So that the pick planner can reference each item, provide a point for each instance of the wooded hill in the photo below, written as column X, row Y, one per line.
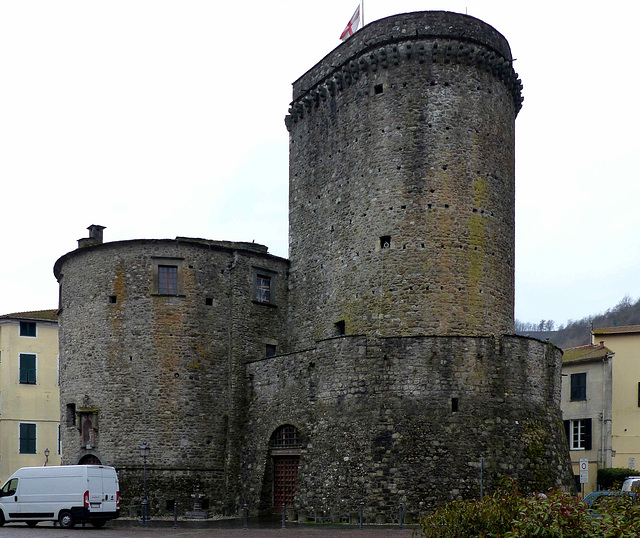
column 578, row 332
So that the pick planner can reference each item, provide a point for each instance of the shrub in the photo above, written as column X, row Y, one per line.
column 509, row 514
column 614, row 477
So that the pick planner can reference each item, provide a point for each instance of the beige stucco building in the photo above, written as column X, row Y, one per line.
column 587, row 408
column 625, row 343
column 29, row 391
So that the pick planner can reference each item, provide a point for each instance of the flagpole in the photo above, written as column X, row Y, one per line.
column 362, row 11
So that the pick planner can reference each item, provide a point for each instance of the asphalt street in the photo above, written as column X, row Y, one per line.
column 232, row 529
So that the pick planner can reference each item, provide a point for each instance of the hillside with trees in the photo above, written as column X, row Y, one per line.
column 578, row 332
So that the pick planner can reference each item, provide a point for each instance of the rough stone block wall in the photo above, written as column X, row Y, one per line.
column 379, row 424
column 402, row 182
column 163, row 369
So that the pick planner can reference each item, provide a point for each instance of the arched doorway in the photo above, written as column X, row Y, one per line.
column 89, row 459
column 285, row 454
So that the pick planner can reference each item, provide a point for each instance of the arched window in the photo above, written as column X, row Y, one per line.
column 90, row 459
column 286, row 436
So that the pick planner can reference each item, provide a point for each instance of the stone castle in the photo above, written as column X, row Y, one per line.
column 378, row 364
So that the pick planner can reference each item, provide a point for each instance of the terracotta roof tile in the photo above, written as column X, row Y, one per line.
column 43, row 315
column 584, row 353
column 618, row 330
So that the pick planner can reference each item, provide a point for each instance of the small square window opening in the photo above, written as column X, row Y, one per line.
column 28, row 328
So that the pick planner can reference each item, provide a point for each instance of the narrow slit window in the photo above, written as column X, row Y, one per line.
column 339, row 328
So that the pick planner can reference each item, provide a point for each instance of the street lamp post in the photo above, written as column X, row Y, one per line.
column 144, row 452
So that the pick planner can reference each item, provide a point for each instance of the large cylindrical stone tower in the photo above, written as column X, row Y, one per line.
column 402, row 182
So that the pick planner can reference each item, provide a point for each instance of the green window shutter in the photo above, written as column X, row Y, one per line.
column 27, row 438
column 27, row 368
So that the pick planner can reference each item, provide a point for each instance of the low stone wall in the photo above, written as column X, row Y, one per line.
column 408, row 420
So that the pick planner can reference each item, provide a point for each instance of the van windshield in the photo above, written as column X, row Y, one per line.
column 9, row 488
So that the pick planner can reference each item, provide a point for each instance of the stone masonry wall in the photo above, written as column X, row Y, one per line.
column 402, row 182
column 407, row 420
column 163, row 369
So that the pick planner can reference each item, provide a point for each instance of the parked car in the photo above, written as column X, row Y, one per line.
column 630, row 483
column 597, row 498
column 67, row 494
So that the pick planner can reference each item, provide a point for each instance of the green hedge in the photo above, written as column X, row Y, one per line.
column 614, row 477
column 511, row 514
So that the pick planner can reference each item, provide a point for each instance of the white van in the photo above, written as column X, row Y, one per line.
column 66, row 493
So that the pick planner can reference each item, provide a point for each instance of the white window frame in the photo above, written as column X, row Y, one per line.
column 578, row 433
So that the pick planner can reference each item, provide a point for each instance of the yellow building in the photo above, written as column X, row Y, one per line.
column 625, row 343
column 29, row 391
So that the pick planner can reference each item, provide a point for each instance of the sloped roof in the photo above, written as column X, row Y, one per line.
column 585, row 353
column 42, row 315
column 618, row 330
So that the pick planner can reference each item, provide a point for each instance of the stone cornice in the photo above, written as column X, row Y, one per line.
column 436, row 51
column 436, row 37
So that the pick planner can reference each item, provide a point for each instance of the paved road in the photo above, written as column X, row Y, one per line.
column 231, row 529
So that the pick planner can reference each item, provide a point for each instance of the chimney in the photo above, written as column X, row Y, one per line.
column 95, row 236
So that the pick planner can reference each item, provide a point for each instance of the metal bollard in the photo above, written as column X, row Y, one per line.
column 245, row 517
column 284, row 515
column 175, row 514
column 145, row 512
column 361, row 513
column 400, row 514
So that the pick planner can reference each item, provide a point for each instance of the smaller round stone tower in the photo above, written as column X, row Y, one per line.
column 401, row 205
column 153, row 339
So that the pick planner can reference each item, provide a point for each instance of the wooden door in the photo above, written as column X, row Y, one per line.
column 285, row 477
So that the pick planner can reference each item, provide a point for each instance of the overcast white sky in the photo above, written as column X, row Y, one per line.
column 160, row 118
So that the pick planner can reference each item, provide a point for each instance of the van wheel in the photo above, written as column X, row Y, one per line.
column 66, row 520
column 98, row 523
column 1, row 518
column 31, row 524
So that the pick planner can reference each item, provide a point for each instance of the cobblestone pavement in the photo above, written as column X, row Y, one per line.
column 231, row 529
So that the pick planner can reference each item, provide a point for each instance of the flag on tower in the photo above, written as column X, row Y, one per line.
column 352, row 25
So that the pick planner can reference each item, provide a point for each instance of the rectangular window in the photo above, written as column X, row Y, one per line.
column 71, row 414
column 28, row 328
column 578, row 387
column 270, row 350
column 168, row 279
column 263, row 289
column 578, row 433
column 264, row 286
column 27, row 438
column 27, row 369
